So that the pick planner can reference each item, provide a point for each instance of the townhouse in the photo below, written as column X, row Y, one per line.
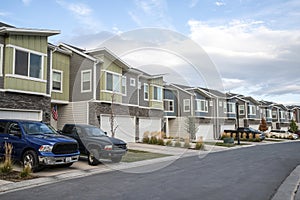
column 38, row 79
column 24, row 73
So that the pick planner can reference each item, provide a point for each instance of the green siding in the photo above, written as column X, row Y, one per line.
column 33, row 43
column 24, row 85
column 62, row 62
column 112, row 67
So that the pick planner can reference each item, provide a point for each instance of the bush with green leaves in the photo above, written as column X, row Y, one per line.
column 26, row 171
column 177, row 144
column 199, row 146
column 169, row 143
column 160, row 142
column 153, row 140
column 146, row 140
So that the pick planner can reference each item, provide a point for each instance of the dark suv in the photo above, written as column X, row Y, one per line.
column 37, row 144
column 95, row 143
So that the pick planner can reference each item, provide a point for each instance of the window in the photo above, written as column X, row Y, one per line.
column 113, row 82
column 211, row 103
column 201, row 105
column 157, row 93
column 274, row 114
column 86, row 83
column 252, row 110
column 169, row 105
column 225, row 106
column 57, row 80
column 241, row 109
column 132, row 82
column 231, row 107
column 124, row 85
column 269, row 113
column 186, row 105
column 146, row 91
column 282, row 114
column 220, row 103
column 1, row 59
column 28, row 64
column 291, row 115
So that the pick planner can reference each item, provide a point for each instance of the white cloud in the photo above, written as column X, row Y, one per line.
column 252, row 58
column 220, row 3
column 26, row 2
column 193, row 3
column 83, row 14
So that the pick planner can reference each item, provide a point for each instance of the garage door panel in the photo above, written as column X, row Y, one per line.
column 205, row 131
column 28, row 115
column 148, row 125
column 125, row 127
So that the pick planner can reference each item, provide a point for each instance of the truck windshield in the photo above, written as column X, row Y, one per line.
column 94, row 132
column 34, row 128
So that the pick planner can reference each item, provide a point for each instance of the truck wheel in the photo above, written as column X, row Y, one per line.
column 30, row 158
column 92, row 157
column 116, row 159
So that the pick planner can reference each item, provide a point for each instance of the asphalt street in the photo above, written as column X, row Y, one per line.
column 246, row 173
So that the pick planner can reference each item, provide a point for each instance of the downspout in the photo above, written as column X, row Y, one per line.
column 217, row 117
column 95, row 78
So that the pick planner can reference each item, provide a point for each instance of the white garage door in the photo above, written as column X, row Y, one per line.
column 205, row 131
column 254, row 126
column 13, row 114
column 149, row 125
column 125, row 130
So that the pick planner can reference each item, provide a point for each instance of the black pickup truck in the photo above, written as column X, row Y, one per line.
column 247, row 130
column 94, row 143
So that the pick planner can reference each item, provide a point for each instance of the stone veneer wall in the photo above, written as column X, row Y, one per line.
column 10, row 100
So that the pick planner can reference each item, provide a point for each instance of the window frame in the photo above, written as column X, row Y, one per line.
column 124, row 85
column 168, row 101
column 253, row 109
column 29, row 53
column 159, row 93
column 146, row 91
column 119, row 81
column 90, row 80
column 231, row 105
column 282, row 114
column 268, row 113
column 61, row 80
column 205, row 105
column 185, row 104
column 132, row 82
column 241, row 108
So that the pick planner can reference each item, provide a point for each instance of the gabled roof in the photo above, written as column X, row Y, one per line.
column 266, row 103
column 179, row 88
column 281, row 106
column 113, row 57
column 57, row 48
column 78, row 51
column 8, row 29
column 251, row 99
column 215, row 93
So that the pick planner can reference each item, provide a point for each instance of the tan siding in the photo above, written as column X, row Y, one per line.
column 24, row 85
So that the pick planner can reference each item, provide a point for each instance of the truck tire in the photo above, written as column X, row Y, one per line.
column 93, row 157
column 116, row 159
column 30, row 158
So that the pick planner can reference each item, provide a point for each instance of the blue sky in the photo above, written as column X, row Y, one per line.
column 254, row 44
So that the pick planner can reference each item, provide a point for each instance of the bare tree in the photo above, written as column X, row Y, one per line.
column 113, row 126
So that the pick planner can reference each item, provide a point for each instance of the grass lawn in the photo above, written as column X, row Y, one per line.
column 137, row 155
column 224, row 144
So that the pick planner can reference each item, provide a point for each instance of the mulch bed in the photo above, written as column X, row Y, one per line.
column 14, row 176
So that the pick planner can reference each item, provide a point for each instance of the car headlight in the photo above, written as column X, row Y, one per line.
column 108, row 147
column 45, row 148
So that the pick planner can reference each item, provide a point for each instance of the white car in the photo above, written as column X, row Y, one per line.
column 283, row 134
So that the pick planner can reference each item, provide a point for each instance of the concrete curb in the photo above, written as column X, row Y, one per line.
column 289, row 187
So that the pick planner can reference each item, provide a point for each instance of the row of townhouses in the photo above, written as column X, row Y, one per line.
column 61, row 84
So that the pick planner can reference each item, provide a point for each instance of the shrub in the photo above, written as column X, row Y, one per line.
column 169, row 143
column 250, row 136
column 234, row 135
column 160, row 142
column 7, row 166
column 153, row 140
column 199, row 146
column 177, row 144
column 244, row 135
column 26, row 171
column 256, row 139
column 146, row 140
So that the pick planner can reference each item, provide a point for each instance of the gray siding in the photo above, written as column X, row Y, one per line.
column 142, row 102
column 131, row 96
column 79, row 63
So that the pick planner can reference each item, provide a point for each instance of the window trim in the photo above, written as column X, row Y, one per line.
column 120, row 83
column 28, row 77
column 253, row 110
column 1, row 59
column 132, row 82
column 233, row 106
column 269, row 112
column 205, row 103
column 61, row 80
column 168, row 109
column 189, row 105
column 125, row 86
column 82, row 72
column 282, row 114
column 161, row 95
column 241, row 106
column 146, row 99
